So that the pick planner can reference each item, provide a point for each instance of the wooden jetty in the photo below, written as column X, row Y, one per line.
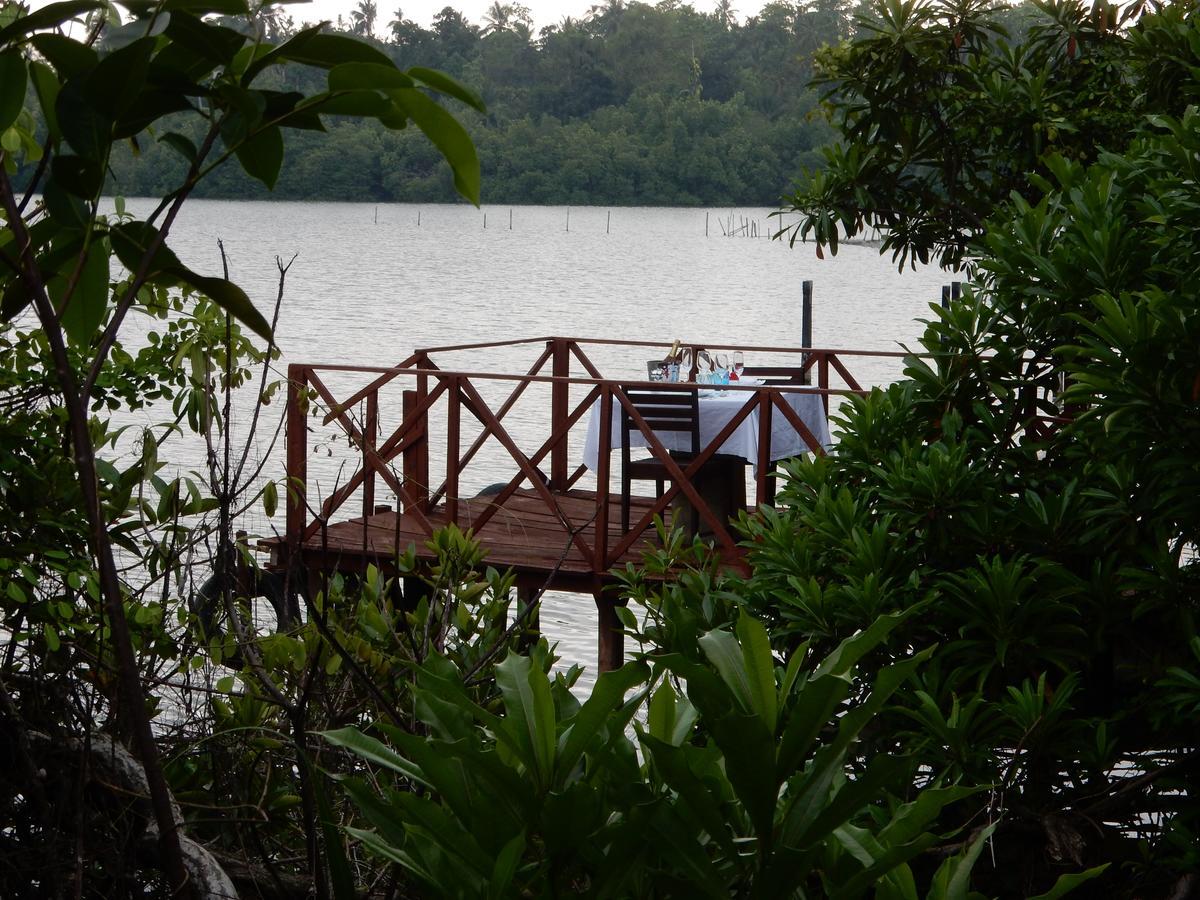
column 553, row 522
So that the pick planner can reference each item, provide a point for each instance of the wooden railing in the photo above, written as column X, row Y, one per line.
column 399, row 460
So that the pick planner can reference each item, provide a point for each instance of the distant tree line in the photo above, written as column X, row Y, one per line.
column 632, row 104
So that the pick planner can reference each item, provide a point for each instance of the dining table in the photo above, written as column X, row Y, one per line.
column 716, row 407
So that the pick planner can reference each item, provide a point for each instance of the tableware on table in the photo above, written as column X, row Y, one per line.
column 739, row 363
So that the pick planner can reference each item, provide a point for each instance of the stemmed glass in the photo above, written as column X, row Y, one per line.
column 722, row 367
column 739, row 363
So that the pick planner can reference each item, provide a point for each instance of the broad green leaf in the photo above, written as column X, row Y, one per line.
column 270, row 498
column 46, row 85
column 87, row 305
column 528, row 723
column 13, row 77
column 745, row 664
column 132, row 242
column 180, row 144
column 205, row 40
column 1067, row 883
column 701, row 802
column 47, row 17
column 84, row 126
column 953, row 878
column 599, row 712
column 506, row 866
column 281, row 53
column 69, row 58
column 447, row 135
column 355, row 76
column 262, row 156
column 842, row 660
column 759, row 666
column 677, row 838
column 372, row 750
column 78, row 175
column 470, row 861
column 325, row 51
column 670, row 717
column 64, row 208
column 119, row 78
column 440, row 81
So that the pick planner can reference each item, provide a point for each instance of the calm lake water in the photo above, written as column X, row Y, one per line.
column 371, row 283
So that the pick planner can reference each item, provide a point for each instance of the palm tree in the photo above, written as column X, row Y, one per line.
column 498, row 17
column 724, row 13
column 362, row 18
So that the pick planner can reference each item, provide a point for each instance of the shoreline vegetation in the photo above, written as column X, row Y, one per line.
column 633, row 105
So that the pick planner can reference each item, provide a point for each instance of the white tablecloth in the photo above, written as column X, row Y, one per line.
column 716, row 409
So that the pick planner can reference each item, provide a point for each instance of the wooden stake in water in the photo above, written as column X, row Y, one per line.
column 418, row 218
column 376, row 215
column 608, row 222
column 510, row 219
column 568, row 218
column 485, row 221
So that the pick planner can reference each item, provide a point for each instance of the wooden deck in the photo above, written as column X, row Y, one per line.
column 523, row 535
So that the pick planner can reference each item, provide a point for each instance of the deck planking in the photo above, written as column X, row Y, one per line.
column 524, row 535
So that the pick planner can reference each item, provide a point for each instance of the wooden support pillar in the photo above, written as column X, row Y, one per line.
column 610, row 646
column 297, row 457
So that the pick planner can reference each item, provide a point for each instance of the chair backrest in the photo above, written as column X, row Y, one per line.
column 776, row 374
column 664, row 412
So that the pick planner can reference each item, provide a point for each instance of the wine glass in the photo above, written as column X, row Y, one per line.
column 739, row 363
column 685, row 364
column 721, row 363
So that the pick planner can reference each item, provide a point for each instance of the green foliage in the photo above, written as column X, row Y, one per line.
column 100, row 524
column 943, row 115
column 738, row 786
column 1027, row 495
column 645, row 105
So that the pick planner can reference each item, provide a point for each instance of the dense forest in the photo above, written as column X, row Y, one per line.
column 633, row 104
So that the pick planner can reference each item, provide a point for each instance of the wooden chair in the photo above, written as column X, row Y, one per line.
column 665, row 412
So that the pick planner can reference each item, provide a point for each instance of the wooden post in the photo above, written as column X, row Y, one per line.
column 418, row 218
column 608, row 222
column 806, row 313
column 610, row 638
column 485, row 221
column 297, row 457
column 510, row 219
column 370, row 437
column 568, row 218
column 559, row 399
column 706, row 224
column 955, row 290
column 415, row 459
column 453, row 416
column 603, row 461
column 945, row 296
column 823, row 379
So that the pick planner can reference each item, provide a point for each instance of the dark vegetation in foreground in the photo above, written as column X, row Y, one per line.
column 964, row 664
